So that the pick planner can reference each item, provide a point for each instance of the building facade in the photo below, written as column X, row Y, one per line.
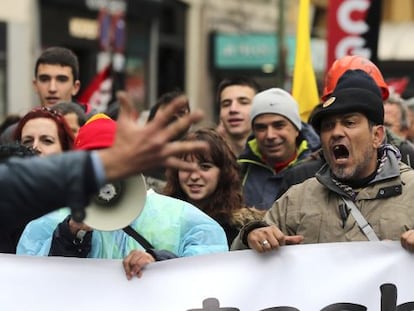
column 153, row 45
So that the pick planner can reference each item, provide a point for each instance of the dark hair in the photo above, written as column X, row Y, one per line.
column 241, row 80
column 70, row 107
column 65, row 134
column 57, row 55
column 227, row 196
column 164, row 100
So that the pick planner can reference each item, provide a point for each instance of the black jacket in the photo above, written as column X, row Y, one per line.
column 36, row 186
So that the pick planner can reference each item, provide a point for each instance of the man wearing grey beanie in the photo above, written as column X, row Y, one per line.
column 278, row 143
column 362, row 193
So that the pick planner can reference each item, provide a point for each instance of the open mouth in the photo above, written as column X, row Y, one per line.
column 340, row 152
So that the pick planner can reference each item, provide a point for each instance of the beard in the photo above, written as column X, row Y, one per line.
column 344, row 173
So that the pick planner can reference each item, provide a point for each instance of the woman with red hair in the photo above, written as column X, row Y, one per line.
column 45, row 130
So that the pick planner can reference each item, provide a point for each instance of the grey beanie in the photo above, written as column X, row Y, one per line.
column 276, row 101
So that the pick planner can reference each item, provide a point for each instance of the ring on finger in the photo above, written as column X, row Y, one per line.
column 264, row 243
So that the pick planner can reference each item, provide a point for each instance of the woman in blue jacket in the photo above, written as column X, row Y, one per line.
column 174, row 228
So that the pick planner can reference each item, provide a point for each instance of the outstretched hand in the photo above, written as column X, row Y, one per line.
column 140, row 148
column 270, row 238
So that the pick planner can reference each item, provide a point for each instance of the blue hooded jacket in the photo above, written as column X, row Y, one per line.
column 167, row 223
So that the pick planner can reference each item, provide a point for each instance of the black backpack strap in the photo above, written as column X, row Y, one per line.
column 138, row 237
column 158, row 255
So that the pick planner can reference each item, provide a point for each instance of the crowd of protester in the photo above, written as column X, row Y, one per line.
column 261, row 179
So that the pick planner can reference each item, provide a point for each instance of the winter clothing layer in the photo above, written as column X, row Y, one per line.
column 33, row 187
column 68, row 177
column 276, row 101
column 167, row 223
column 307, row 169
column 240, row 218
column 313, row 208
column 355, row 91
column 260, row 181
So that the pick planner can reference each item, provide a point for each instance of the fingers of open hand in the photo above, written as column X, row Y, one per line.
column 126, row 109
column 135, row 262
column 182, row 124
column 163, row 117
column 166, row 122
column 407, row 240
column 160, row 139
column 154, row 145
column 173, row 150
column 265, row 239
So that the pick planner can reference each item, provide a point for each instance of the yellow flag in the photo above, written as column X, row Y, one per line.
column 304, row 88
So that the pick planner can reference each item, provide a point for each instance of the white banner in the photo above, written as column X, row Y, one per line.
column 364, row 275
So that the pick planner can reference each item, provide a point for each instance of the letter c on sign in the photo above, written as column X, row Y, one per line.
column 344, row 16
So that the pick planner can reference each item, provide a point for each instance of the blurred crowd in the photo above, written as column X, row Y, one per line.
column 260, row 179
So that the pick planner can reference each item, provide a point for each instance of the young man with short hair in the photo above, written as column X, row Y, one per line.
column 235, row 96
column 56, row 76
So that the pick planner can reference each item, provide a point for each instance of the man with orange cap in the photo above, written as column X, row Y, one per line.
column 348, row 62
column 362, row 192
column 309, row 167
column 172, row 227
